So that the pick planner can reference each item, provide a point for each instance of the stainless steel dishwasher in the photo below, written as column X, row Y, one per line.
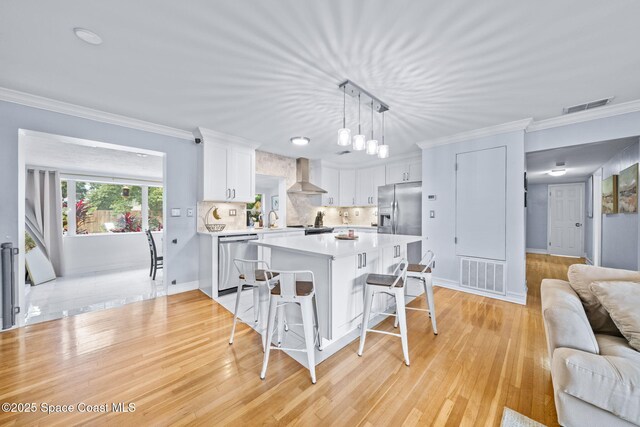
column 230, row 248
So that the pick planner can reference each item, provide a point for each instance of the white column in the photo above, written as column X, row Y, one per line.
column 145, row 207
column 71, row 207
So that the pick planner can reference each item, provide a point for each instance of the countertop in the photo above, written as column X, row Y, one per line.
column 251, row 231
column 327, row 245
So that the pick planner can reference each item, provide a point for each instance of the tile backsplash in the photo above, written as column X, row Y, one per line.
column 237, row 222
column 345, row 216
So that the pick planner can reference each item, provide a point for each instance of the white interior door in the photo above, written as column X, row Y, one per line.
column 566, row 219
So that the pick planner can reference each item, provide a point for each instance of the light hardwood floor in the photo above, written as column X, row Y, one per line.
column 170, row 357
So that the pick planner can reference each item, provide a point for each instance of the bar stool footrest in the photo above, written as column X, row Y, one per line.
column 384, row 332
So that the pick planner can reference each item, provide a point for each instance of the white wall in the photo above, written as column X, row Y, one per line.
column 105, row 252
column 439, row 178
column 620, row 231
column 537, row 202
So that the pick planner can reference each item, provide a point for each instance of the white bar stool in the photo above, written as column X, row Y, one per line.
column 391, row 284
column 254, row 277
column 292, row 290
column 422, row 272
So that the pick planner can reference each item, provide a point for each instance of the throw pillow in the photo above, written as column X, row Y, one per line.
column 622, row 302
column 581, row 276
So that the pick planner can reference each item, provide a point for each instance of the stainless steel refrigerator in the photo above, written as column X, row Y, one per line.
column 400, row 212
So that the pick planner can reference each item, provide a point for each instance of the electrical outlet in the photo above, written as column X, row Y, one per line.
column 189, row 211
column 232, row 212
column 174, row 282
column 176, row 212
column 357, row 213
column 432, row 214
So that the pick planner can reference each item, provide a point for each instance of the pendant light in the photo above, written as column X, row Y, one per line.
column 344, row 134
column 359, row 139
column 372, row 144
column 383, row 149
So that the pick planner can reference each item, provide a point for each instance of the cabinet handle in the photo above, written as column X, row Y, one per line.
column 228, row 193
column 364, row 256
column 234, row 193
column 359, row 261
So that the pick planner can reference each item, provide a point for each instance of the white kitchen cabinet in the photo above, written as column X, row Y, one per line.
column 227, row 168
column 330, row 182
column 367, row 182
column 397, row 173
column 347, row 195
column 348, row 300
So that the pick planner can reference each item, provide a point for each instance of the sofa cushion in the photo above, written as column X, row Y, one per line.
column 565, row 321
column 609, row 381
column 581, row 276
column 622, row 302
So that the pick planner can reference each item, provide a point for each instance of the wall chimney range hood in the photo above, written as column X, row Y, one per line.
column 302, row 185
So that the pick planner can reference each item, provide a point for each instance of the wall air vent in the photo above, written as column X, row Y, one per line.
column 587, row 105
column 483, row 275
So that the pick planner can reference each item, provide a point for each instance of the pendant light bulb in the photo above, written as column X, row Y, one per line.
column 344, row 134
column 383, row 149
column 359, row 140
column 372, row 144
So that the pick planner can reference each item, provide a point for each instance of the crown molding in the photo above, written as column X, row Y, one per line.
column 49, row 104
column 518, row 125
column 585, row 116
column 212, row 135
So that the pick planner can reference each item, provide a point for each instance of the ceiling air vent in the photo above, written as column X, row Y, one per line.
column 342, row 153
column 587, row 105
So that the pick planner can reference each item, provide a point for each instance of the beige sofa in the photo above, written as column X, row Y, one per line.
column 596, row 377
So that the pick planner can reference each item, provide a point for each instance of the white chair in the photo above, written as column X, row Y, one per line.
column 291, row 289
column 390, row 284
column 254, row 277
column 422, row 272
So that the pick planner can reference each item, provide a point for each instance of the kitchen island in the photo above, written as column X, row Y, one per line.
column 340, row 268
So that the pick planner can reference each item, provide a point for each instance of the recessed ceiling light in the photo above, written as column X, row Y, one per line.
column 87, row 36
column 300, row 140
column 557, row 172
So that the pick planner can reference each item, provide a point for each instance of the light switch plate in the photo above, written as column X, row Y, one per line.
column 175, row 212
column 189, row 211
column 432, row 214
column 232, row 212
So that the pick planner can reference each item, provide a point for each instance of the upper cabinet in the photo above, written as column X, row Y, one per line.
column 227, row 168
column 330, row 182
column 347, row 187
column 367, row 182
column 398, row 173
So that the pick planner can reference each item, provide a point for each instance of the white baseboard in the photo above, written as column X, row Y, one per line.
column 537, row 251
column 182, row 287
column 509, row 297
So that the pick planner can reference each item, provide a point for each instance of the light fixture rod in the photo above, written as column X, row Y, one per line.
column 371, row 119
column 352, row 89
column 359, row 132
column 344, row 108
column 383, row 128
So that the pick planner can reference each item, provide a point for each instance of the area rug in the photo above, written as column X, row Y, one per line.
column 511, row 418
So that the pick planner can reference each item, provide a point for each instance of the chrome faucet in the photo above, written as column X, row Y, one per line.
column 273, row 224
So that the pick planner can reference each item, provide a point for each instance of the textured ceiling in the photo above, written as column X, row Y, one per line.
column 581, row 161
column 53, row 153
column 268, row 70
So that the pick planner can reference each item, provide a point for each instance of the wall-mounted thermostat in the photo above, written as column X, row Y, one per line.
column 431, row 196
column 175, row 212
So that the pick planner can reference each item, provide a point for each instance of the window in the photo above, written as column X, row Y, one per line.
column 110, row 208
